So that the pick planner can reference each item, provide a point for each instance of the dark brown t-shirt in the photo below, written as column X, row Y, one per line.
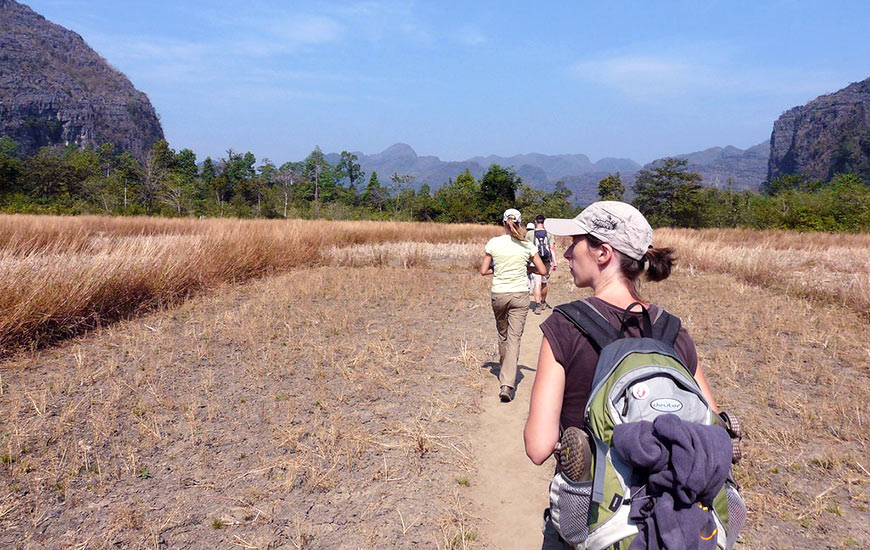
column 578, row 356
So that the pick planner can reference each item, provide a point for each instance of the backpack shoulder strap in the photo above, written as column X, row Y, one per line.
column 666, row 327
column 590, row 322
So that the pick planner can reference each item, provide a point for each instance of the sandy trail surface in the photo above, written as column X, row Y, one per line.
column 510, row 492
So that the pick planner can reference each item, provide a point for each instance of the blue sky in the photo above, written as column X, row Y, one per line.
column 459, row 79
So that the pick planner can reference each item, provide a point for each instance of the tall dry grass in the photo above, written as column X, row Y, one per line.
column 829, row 267
column 23, row 234
column 60, row 276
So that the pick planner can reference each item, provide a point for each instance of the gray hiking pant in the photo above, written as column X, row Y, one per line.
column 510, row 309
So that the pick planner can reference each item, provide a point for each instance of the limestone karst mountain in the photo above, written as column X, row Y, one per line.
column 830, row 134
column 56, row 90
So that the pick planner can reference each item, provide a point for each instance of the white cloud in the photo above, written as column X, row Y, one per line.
column 308, row 29
column 471, row 36
column 653, row 76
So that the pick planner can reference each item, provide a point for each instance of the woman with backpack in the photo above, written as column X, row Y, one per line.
column 611, row 249
column 506, row 258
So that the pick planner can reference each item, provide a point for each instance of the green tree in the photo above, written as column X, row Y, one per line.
column 155, row 170
column 185, row 166
column 401, row 191
column 129, row 176
column 107, row 158
column 10, row 165
column 561, row 191
column 790, row 182
column 349, row 169
column 179, row 190
column 373, row 196
column 320, row 182
column 668, row 194
column 48, row 174
column 459, row 200
column 611, row 188
column 498, row 188
column 425, row 207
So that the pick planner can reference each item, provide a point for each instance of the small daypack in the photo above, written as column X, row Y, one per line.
column 635, row 379
column 543, row 245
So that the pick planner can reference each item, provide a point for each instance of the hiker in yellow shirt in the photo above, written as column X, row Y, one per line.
column 506, row 258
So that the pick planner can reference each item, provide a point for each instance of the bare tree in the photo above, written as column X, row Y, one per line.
column 153, row 175
column 401, row 182
column 173, row 194
column 286, row 178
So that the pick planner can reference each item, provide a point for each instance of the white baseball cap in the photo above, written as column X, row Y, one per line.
column 617, row 223
column 530, row 225
column 512, row 213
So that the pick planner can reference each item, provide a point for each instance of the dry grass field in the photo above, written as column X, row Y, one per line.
column 60, row 276
column 325, row 401
column 820, row 266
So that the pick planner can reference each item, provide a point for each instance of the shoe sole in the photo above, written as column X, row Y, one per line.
column 575, row 457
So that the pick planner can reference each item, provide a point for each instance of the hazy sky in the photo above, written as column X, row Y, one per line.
column 457, row 79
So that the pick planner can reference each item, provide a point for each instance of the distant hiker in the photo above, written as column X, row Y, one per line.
column 510, row 294
column 612, row 247
column 546, row 246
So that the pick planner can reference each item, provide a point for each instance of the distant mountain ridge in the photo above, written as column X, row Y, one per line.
column 56, row 90
column 747, row 169
column 744, row 169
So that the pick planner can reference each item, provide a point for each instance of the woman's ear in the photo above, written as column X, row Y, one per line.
column 605, row 253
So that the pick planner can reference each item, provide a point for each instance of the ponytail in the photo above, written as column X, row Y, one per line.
column 515, row 228
column 659, row 262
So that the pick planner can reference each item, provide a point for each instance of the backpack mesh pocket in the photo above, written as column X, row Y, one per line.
column 736, row 513
column 569, row 508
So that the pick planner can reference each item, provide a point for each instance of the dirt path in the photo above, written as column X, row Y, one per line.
column 509, row 490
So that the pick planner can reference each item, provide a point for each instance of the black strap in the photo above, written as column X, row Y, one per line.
column 646, row 329
column 600, row 332
column 591, row 323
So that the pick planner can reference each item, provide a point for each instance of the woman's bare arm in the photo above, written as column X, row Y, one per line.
column 542, row 427
column 701, row 378
column 486, row 265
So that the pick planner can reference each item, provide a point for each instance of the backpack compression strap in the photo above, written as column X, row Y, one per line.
column 590, row 322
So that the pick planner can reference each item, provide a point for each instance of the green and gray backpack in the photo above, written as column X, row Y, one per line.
column 635, row 379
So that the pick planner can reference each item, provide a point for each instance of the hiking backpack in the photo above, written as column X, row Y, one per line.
column 635, row 379
column 543, row 245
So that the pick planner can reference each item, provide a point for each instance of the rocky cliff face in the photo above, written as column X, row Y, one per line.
column 54, row 89
column 830, row 134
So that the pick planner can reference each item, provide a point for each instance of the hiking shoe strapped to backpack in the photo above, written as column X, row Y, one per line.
column 574, row 454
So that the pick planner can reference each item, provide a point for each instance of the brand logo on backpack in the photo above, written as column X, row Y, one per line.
column 640, row 391
column 666, row 405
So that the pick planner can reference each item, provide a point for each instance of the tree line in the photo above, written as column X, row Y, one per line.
column 165, row 182
column 671, row 195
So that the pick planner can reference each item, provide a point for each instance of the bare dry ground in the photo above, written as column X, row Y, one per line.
column 331, row 407
column 320, row 409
